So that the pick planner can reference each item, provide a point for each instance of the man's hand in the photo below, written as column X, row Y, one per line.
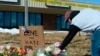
column 56, row 52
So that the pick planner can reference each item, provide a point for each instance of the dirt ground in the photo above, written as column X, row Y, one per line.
column 79, row 46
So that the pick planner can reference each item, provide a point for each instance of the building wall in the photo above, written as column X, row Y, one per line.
column 33, row 4
column 49, row 21
column 48, row 16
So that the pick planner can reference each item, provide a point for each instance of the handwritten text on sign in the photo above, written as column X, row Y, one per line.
column 32, row 36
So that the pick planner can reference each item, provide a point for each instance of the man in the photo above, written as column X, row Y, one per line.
column 85, row 20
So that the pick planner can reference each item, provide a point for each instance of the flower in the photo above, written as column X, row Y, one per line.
column 41, row 54
column 57, row 44
column 47, row 51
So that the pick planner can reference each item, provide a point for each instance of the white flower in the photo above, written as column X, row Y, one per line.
column 48, row 49
column 41, row 54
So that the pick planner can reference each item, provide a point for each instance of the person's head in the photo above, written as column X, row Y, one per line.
column 69, row 15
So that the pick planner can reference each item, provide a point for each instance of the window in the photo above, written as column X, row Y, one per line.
column 31, row 19
column 10, row 1
column 7, row 19
column 34, row 19
column 38, row 19
column 63, row 23
column 20, row 19
column 1, row 18
column 13, row 19
column 60, row 24
column 67, row 25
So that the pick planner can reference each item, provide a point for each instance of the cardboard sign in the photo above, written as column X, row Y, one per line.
column 32, row 36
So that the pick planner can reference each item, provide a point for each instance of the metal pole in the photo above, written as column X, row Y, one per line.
column 26, row 13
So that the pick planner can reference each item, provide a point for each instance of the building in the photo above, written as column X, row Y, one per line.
column 51, row 16
column 12, row 15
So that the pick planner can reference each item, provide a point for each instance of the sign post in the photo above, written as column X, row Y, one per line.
column 26, row 13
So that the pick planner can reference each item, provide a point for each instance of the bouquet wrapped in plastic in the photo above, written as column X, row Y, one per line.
column 47, row 51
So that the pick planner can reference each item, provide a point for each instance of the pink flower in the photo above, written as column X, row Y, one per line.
column 57, row 44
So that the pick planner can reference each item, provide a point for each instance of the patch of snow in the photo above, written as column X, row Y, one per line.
column 12, row 31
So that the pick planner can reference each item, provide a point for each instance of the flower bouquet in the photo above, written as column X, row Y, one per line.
column 47, row 51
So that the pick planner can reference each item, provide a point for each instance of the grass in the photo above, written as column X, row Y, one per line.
column 79, row 46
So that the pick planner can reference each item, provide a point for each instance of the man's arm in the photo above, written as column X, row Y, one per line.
column 72, row 32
